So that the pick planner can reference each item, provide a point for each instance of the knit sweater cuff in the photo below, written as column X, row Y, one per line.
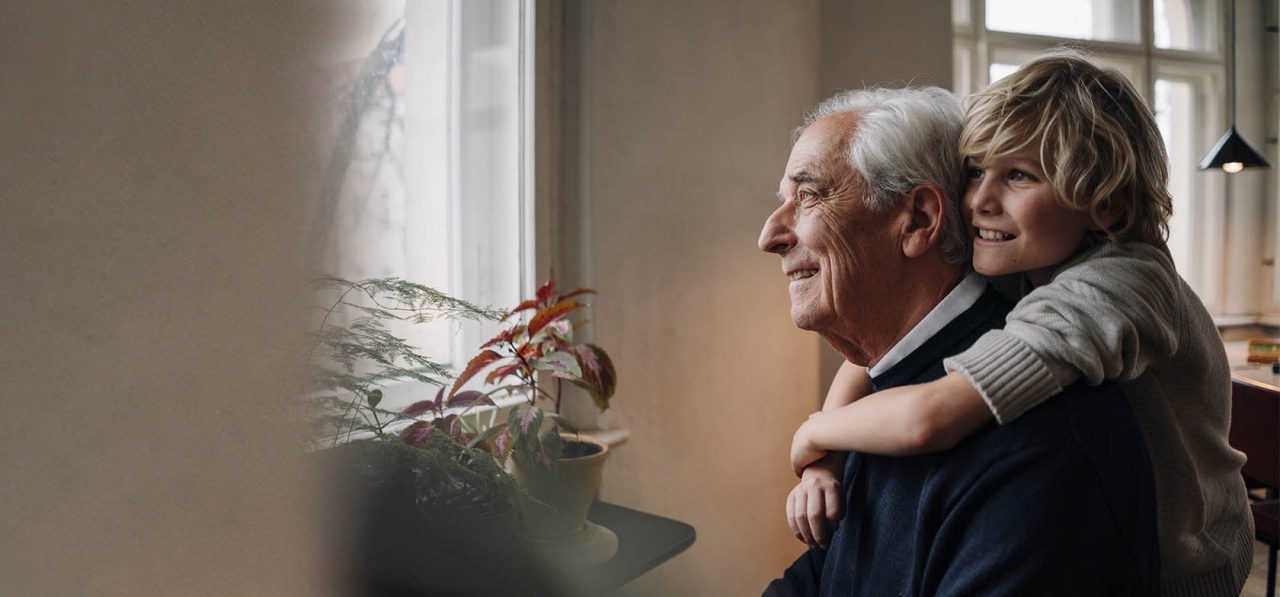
column 1009, row 375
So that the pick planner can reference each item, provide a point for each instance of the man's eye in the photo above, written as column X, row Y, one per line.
column 807, row 194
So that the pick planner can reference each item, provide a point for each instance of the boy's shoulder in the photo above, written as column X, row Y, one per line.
column 1115, row 259
column 1133, row 271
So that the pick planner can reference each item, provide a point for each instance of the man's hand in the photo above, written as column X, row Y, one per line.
column 803, row 452
column 815, row 506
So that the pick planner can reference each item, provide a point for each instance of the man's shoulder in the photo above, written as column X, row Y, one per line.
column 1079, row 402
column 1069, row 424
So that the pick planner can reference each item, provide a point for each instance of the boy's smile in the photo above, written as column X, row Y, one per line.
column 1017, row 221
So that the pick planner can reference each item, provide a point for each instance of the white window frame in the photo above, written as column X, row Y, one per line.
column 489, row 174
column 490, row 179
column 491, row 265
column 976, row 47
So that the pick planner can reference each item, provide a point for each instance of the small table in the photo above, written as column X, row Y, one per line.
column 1258, row 374
column 644, row 541
column 408, row 565
column 1255, row 417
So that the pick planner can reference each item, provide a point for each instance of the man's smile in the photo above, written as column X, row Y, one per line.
column 802, row 274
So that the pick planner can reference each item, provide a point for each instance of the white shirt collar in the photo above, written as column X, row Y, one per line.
column 963, row 296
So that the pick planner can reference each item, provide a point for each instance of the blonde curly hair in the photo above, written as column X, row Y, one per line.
column 1098, row 141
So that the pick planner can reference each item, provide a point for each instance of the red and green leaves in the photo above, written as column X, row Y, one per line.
column 532, row 444
column 544, row 344
column 560, row 364
column 495, row 440
column 438, row 405
column 474, row 366
column 531, row 352
column 420, row 431
column 598, row 376
column 546, row 293
column 550, row 314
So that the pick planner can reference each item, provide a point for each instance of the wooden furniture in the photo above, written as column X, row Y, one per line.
column 1255, row 430
column 644, row 541
column 1266, row 525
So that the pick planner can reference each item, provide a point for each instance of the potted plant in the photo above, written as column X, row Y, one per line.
column 559, row 468
column 424, row 501
column 354, row 353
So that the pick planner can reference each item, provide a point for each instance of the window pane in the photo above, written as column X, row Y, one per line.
column 999, row 71
column 960, row 12
column 962, row 69
column 1109, row 20
column 1004, row 62
column 423, row 182
column 1179, row 111
column 1173, row 109
column 1186, row 25
column 392, row 111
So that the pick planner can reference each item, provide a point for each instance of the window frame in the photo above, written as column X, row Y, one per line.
column 1145, row 63
column 477, row 35
column 547, row 202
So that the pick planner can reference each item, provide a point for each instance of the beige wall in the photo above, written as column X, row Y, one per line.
column 152, row 169
column 678, row 131
column 1243, row 281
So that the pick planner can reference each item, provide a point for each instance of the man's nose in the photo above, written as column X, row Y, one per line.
column 778, row 236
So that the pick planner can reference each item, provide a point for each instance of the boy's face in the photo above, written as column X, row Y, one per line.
column 1017, row 221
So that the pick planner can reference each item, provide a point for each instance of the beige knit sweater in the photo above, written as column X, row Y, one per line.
column 1124, row 314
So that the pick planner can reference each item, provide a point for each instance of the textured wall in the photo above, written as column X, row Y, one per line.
column 152, row 189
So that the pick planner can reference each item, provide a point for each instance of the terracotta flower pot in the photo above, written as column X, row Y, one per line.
column 558, row 500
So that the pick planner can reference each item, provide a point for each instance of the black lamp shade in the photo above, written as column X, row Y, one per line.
column 1233, row 149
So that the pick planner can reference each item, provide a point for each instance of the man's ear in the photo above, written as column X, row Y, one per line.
column 926, row 209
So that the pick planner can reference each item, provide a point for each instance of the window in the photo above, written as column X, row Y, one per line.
column 1170, row 50
column 429, row 179
column 1104, row 20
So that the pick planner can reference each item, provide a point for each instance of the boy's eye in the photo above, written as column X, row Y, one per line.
column 973, row 173
column 1019, row 175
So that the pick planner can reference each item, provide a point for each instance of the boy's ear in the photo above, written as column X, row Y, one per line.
column 926, row 211
column 1106, row 220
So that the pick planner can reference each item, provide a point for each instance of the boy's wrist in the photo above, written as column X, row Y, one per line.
column 827, row 466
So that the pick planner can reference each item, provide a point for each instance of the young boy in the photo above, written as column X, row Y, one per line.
column 1067, row 187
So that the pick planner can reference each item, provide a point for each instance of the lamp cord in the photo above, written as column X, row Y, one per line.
column 1232, row 82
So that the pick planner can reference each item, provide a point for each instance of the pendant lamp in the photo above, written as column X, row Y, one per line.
column 1232, row 153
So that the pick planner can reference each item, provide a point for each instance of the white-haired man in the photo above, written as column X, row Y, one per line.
column 1059, row 502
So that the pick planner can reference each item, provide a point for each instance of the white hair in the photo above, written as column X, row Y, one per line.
column 905, row 138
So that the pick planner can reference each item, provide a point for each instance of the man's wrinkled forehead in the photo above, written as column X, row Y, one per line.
column 818, row 155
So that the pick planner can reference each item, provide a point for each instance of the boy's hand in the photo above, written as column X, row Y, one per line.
column 814, row 507
column 803, row 452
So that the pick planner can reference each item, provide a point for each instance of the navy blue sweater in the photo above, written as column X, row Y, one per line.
column 1059, row 502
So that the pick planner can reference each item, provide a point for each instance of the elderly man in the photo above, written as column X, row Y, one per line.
column 1059, row 501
